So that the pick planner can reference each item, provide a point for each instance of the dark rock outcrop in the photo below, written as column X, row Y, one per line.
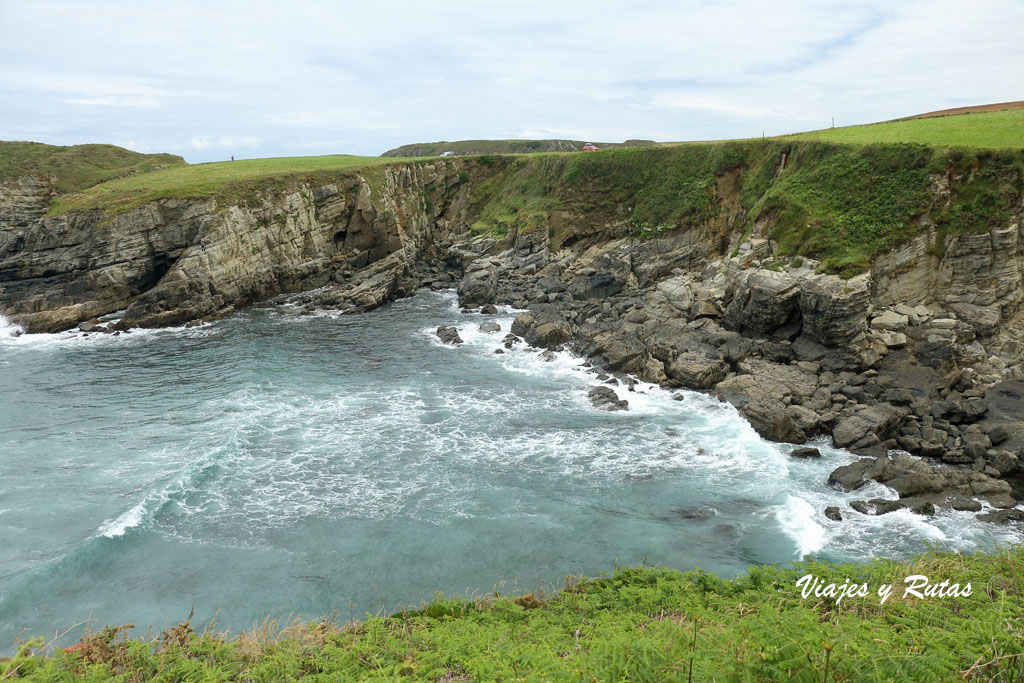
column 605, row 398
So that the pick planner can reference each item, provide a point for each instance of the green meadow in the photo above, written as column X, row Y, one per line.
column 992, row 130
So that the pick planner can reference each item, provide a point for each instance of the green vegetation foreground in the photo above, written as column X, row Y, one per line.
column 641, row 624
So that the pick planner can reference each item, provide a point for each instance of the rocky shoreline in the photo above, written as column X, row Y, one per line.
column 798, row 354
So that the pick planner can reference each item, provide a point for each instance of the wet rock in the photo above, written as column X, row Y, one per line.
column 1002, row 516
column 544, row 327
column 860, row 506
column 883, row 506
column 805, row 453
column 917, row 482
column 490, row 327
column 881, row 420
column 449, row 335
column 691, row 513
column 927, row 509
column 965, row 504
column 770, row 419
column 605, row 398
column 479, row 285
column 488, row 309
column 832, row 512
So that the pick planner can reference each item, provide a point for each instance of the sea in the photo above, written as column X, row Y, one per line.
column 288, row 464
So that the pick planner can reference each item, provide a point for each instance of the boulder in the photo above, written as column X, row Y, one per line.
column 544, row 327
column 605, row 398
column 881, row 420
column 696, row 370
column 490, row 327
column 763, row 301
column 479, row 285
column 889, row 320
column 832, row 512
column 834, row 310
column 770, row 419
column 449, row 335
column 805, row 453
column 1002, row 516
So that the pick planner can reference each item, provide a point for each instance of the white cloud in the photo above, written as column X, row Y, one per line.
column 318, row 77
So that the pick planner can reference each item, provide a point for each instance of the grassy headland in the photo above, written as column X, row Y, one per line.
column 211, row 179
column 80, row 166
column 463, row 147
column 993, row 130
column 643, row 624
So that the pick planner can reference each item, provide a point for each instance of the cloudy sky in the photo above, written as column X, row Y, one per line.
column 210, row 79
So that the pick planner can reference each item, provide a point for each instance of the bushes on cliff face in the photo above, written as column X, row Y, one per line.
column 640, row 624
column 841, row 204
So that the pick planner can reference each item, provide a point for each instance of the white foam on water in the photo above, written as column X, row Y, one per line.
column 9, row 330
column 13, row 337
column 797, row 519
column 113, row 528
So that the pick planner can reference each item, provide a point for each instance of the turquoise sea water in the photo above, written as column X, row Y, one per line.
column 286, row 465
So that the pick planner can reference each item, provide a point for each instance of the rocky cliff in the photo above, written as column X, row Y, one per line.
column 175, row 260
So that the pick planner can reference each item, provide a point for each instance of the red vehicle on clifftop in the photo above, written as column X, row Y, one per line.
column 590, row 148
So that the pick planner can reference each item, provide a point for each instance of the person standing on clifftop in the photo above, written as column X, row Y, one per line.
column 232, row 157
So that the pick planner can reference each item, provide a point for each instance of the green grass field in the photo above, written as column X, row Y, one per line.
column 639, row 624
column 210, row 179
column 80, row 166
column 992, row 130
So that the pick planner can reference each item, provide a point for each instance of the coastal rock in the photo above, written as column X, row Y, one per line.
column 834, row 311
column 449, row 335
column 479, row 285
column 1002, row 516
column 605, row 398
column 695, row 370
column 490, row 327
column 890, row 321
column 881, row 420
column 762, row 301
column 544, row 326
column 770, row 419
column 919, row 483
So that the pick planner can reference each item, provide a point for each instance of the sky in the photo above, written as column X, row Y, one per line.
column 208, row 80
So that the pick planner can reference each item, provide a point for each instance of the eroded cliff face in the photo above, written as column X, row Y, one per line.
column 175, row 260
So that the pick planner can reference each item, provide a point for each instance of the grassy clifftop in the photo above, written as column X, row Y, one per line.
column 636, row 624
column 988, row 129
column 78, row 167
column 463, row 147
column 225, row 178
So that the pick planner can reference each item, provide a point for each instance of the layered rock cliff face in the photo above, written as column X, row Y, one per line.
column 175, row 260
